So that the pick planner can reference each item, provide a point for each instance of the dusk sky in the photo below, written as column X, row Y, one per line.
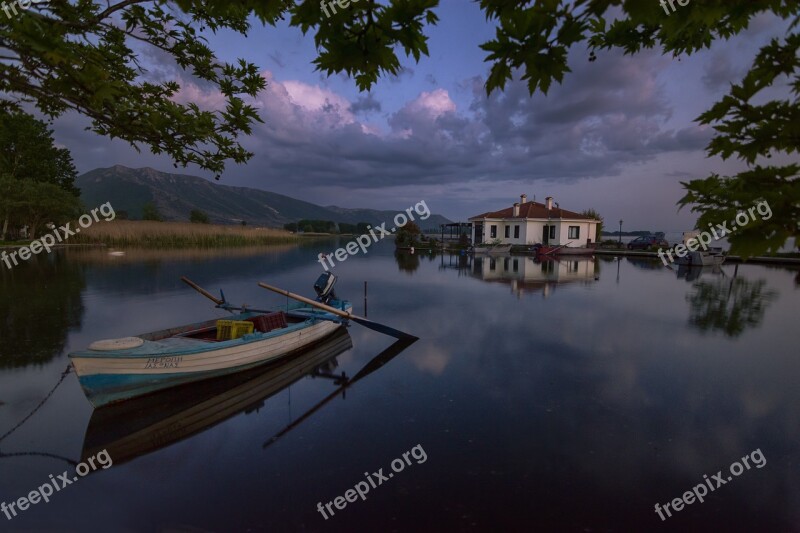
column 618, row 135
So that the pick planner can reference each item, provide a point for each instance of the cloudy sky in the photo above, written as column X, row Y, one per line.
column 618, row 136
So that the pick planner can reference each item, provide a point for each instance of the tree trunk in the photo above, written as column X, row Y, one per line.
column 5, row 229
column 32, row 226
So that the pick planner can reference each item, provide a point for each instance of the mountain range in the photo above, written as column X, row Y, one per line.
column 176, row 195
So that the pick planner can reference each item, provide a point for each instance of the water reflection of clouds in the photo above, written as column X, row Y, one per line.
column 432, row 359
column 629, row 375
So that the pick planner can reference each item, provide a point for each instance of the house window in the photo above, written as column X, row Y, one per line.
column 508, row 231
column 574, row 232
column 516, row 232
column 516, row 265
column 505, row 264
column 493, row 231
column 492, row 264
column 552, row 232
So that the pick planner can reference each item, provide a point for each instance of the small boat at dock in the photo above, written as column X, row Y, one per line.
column 699, row 258
column 492, row 249
column 545, row 250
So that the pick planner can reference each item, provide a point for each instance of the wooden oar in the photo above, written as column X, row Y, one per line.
column 338, row 312
column 202, row 291
column 222, row 304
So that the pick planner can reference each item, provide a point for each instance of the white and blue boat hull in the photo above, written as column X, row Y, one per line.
column 112, row 376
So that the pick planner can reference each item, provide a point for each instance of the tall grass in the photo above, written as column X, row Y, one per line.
column 145, row 233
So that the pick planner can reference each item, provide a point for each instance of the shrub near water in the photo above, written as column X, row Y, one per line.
column 179, row 234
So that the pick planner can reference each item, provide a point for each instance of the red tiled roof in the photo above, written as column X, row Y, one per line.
column 533, row 210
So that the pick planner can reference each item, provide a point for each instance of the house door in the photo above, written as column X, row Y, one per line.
column 478, row 233
column 546, row 234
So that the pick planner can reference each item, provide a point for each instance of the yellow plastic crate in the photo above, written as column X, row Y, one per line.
column 233, row 329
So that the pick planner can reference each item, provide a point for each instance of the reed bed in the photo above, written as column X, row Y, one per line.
column 135, row 233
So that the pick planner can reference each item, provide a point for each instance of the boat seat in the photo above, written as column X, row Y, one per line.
column 268, row 322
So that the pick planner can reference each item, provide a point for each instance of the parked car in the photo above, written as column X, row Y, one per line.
column 648, row 241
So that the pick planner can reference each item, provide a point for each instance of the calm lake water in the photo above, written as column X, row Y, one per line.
column 556, row 396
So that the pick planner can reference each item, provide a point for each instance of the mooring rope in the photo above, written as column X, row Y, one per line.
column 39, row 454
column 60, row 381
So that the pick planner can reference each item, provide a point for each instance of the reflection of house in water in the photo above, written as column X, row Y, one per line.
column 528, row 275
column 462, row 263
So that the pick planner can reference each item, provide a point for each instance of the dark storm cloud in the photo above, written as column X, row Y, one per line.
column 365, row 104
column 608, row 114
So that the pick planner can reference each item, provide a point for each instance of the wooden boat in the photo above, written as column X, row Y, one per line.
column 118, row 369
column 130, row 429
column 492, row 249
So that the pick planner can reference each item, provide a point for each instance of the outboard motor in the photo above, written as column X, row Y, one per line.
column 324, row 287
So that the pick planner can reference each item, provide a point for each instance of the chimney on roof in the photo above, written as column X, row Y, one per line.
column 549, row 202
column 523, row 198
column 516, row 209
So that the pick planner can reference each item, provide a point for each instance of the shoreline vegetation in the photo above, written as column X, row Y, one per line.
column 151, row 234
column 140, row 254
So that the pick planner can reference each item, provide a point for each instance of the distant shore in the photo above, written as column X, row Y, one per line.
column 781, row 258
column 151, row 234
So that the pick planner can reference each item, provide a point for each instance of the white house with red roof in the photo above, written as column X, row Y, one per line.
column 531, row 223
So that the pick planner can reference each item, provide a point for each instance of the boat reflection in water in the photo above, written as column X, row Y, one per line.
column 530, row 275
column 136, row 427
column 692, row 273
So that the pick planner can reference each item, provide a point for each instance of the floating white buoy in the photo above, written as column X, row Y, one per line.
column 116, row 254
